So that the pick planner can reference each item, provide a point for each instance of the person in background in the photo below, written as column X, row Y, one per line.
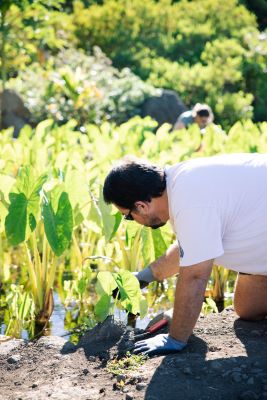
column 201, row 114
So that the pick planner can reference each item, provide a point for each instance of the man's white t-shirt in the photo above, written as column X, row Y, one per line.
column 218, row 210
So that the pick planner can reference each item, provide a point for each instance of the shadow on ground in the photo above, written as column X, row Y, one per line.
column 191, row 375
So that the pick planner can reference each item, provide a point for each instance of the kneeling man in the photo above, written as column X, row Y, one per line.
column 217, row 207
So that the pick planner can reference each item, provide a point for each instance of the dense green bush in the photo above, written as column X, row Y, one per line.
column 207, row 50
column 126, row 31
column 87, row 88
column 31, row 31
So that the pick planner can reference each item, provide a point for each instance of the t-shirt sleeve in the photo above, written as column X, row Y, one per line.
column 199, row 235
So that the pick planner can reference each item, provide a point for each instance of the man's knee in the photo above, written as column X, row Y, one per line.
column 248, row 315
column 250, row 290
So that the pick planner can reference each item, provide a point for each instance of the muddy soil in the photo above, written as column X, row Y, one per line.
column 226, row 359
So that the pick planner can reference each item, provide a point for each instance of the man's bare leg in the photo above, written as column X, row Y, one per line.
column 250, row 299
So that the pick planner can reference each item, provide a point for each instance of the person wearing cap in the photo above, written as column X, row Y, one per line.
column 217, row 209
column 201, row 114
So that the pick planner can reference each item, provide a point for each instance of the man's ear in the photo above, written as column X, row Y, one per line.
column 142, row 206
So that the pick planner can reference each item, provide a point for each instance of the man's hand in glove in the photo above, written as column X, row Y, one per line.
column 145, row 277
column 158, row 345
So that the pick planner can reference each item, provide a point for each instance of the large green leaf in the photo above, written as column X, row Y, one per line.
column 160, row 246
column 102, row 307
column 147, row 245
column 130, row 293
column 25, row 180
column 77, row 187
column 109, row 221
column 59, row 225
column 153, row 244
column 16, row 220
column 105, row 283
column 34, row 197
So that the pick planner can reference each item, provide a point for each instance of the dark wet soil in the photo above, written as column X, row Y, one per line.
column 226, row 359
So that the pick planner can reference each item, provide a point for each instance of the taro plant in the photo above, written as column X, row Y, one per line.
column 118, row 289
column 42, row 222
column 20, row 310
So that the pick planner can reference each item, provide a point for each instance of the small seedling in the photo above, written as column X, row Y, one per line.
column 128, row 363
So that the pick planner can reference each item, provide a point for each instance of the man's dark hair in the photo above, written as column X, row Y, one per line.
column 132, row 180
column 203, row 113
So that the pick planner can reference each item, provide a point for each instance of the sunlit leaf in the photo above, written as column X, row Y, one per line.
column 59, row 225
column 16, row 220
column 102, row 307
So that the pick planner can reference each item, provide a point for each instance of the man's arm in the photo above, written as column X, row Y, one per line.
column 190, row 290
column 178, row 125
column 166, row 265
column 189, row 296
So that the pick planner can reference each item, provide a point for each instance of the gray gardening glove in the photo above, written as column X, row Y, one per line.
column 145, row 277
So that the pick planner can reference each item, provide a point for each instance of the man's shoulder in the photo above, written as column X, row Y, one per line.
column 186, row 117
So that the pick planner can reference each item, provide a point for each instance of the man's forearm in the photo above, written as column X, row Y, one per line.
column 189, row 297
column 166, row 265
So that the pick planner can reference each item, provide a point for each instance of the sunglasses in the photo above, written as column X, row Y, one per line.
column 128, row 216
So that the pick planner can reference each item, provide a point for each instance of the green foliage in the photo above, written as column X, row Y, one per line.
column 62, row 169
column 219, row 80
column 126, row 364
column 206, row 50
column 86, row 88
column 58, row 226
column 24, row 205
column 20, row 310
column 129, row 296
column 30, row 29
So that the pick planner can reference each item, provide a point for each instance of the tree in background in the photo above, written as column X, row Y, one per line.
column 30, row 29
column 206, row 50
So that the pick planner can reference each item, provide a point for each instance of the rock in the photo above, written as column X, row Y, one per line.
column 164, row 108
column 34, row 385
column 11, row 345
column 14, row 112
column 14, row 359
column 140, row 386
column 129, row 396
column 92, row 358
column 120, row 378
column 50, row 342
column 85, row 371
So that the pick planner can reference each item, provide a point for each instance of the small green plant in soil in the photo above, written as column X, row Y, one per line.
column 130, row 362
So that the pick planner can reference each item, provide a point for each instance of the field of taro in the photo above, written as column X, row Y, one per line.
column 63, row 251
